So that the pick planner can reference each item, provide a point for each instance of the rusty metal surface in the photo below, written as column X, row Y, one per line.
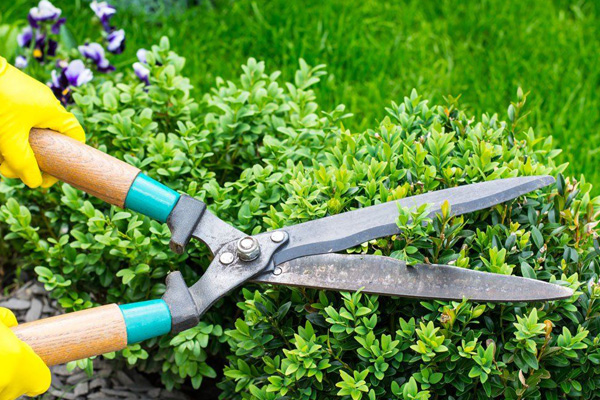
column 391, row 277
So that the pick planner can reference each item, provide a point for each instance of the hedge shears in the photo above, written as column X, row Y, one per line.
column 299, row 255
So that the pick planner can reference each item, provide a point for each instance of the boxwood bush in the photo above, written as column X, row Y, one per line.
column 263, row 154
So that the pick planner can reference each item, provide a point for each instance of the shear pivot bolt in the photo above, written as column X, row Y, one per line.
column 277, row 236
column 226, row 258
column 248, row 249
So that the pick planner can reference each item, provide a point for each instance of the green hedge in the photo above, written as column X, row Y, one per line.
column 262, row 154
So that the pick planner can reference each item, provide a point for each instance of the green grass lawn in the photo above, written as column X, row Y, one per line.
column 377, row 52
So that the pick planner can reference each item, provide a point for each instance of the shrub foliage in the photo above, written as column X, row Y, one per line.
column 263, row 155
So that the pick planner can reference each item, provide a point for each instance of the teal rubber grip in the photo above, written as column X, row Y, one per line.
column 151, row 198
column 146, row 319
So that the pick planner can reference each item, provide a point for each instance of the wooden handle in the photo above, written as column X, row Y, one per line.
column 82, row 166
column 77, row 335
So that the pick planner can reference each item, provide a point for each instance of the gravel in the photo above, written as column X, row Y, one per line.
column 35, row 311
column 16, row 304
column 109, row 381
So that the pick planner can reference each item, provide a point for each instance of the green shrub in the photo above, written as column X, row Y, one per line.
column 263, row 154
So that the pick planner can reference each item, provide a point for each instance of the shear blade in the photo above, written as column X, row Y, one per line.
column 391, row 277
column 349, row 229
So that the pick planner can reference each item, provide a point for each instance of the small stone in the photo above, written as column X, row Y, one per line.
column 124, row 379
column 39, row 290
column 140, row 380
column 76, row 378
column 61, row 370
column 56, row 382
column 118, row 393
column 99, row 396
column 104, row 373
column 24, row 292
column 98, row 383
column 15, row 304
column 47, row 308
column 82, row 388
column 137, row 389
column 102, row 364
column 35, row 311
column 154, row 393
column 62, row 394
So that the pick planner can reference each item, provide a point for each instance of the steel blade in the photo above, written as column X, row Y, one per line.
column 391, row 277
column 349, row 229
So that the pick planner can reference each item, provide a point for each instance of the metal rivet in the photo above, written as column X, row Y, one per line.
column 226, row 258
column 247, row 243
column 248, row 248
column 277, row 236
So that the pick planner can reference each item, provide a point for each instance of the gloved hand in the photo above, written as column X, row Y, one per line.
column 21, row 370
column 24, row 104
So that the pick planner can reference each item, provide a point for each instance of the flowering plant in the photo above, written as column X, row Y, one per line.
column 44, row 25
column 63, row 69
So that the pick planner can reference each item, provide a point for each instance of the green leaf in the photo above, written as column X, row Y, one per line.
column 530, row 359
column 537, row 237
column 410, row 389
column 527, row 271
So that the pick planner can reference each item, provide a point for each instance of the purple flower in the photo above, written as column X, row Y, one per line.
column 24, row 38
column 55, row 79
column 56, row 26
column 77, row 74
column 62, row 64
column 44, row 48
column 72, row 74
column 52, row 46
column 21, row 62
column 140, row 68
column 60, row 86
column 40, row 46
column 104, row 12
column 141, row 55
column 142, row 72
column 116, row 41
column 95, row 52
column 45, row 11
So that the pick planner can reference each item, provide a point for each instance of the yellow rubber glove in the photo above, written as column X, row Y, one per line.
column 21, row 370
column 24, row 104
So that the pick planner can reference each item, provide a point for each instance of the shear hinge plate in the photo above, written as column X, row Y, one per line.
column 224, row 274
column 183, row 220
